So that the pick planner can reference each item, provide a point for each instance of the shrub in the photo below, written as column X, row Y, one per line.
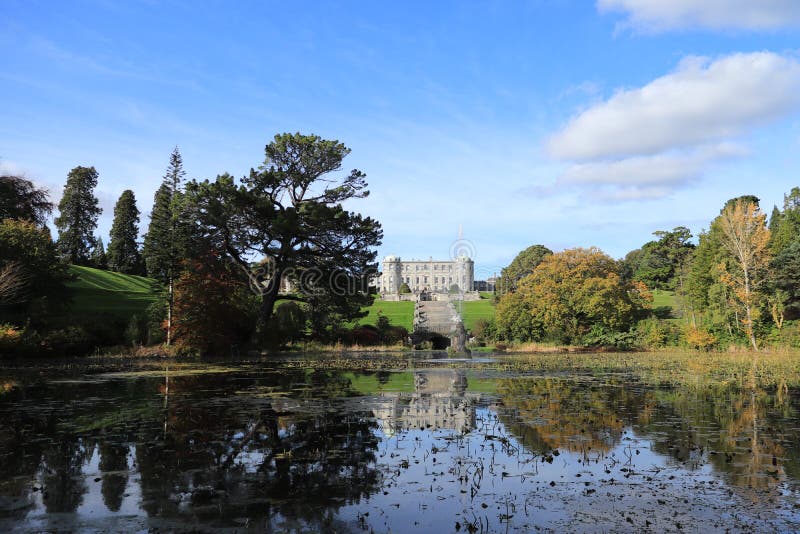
column 699, row 338
column 657, row 333
column 10, row 338
column 68, row 341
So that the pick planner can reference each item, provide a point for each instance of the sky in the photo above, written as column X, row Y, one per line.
column 561, row 122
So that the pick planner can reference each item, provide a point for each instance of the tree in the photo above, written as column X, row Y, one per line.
column 569, row 294
column 785, row 279
column 20, row 199
column 659, row 263
column 13, row 283
column 745, row 238
column 520, row 267
column 166, row 240
column 123, row 250
column 404, row 289
column 29, row 254
column 289, row 213
column 79, row 211
column 211, row 308
column 99, row 258
column 785, row 226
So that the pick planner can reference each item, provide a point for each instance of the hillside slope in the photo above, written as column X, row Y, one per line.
column 104, row 292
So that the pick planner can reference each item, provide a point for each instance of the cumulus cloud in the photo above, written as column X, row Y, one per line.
column 667, row 169
column 645, row 142
column 701, row 101
column 663, row 15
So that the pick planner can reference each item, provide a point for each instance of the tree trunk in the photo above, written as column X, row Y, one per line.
column 268, row 299
column 169, row 313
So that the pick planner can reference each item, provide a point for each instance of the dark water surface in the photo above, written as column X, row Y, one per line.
column 450, row 447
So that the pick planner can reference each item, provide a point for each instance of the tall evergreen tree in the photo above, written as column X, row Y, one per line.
column 99, row 258
column 123, row 251
column 79, row 211
column 165, row 242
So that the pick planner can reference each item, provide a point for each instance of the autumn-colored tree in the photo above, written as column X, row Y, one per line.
column 745, row 239
column 210, row 312
column 569, row 294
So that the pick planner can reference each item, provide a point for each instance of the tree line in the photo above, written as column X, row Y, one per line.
column 220, row 249
column 739, row 285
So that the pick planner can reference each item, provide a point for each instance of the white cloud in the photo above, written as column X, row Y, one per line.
column 662, row 15
column 702, row 101
column 658, row 170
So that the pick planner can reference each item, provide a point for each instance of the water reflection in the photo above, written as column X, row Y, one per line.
column 440, row 400
column 268, row 447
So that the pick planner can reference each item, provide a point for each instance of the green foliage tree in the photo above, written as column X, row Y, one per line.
column 168, row 237
column 99, row 258
column 78, row 213
column 785, row 226
column 290, row 213
column 123, row 250
column 659, row 263
column 28, row 251
column 785, row 278
column 289, row 322
column 21, row 199
column 404, row 289
column 520, row 267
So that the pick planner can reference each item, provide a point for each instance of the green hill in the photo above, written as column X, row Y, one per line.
column 104, row 292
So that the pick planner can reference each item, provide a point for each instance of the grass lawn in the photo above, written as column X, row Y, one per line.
column 400, row 313
column 664, row 304
column 476, row 309
column 105, row 292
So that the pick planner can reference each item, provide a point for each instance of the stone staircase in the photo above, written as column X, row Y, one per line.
column 435, row 317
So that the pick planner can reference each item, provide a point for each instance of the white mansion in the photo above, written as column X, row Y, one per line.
column 431, row 276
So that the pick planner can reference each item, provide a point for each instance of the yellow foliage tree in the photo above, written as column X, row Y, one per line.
column 568, row 294
column 745, row 239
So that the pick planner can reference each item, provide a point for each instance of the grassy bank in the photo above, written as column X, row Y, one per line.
column 471, row 311
column 103, row 292
column 399, row 313
column 402, row 313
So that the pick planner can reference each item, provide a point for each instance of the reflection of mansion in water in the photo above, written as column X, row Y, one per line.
column 440, row 401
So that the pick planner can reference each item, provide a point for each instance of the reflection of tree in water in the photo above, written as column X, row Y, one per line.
column 63, row 469
column 256, row 457
column 114, row 469
column 741, row 432
column 209, row 455
column 559, row 413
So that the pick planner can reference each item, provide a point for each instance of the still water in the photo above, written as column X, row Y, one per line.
column 434, row 446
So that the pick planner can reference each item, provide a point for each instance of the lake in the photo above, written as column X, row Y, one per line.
column 400, row 443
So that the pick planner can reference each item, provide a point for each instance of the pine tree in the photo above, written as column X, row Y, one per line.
column 79, row 211
column 99, row 258
column 123, row 251
column 164, row 243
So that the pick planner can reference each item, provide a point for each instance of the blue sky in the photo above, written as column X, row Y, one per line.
column 566, row 123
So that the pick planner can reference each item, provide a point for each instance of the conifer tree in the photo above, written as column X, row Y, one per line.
column 79, row 211
column 123, row 250
column 164, row 243
column 99, row 258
